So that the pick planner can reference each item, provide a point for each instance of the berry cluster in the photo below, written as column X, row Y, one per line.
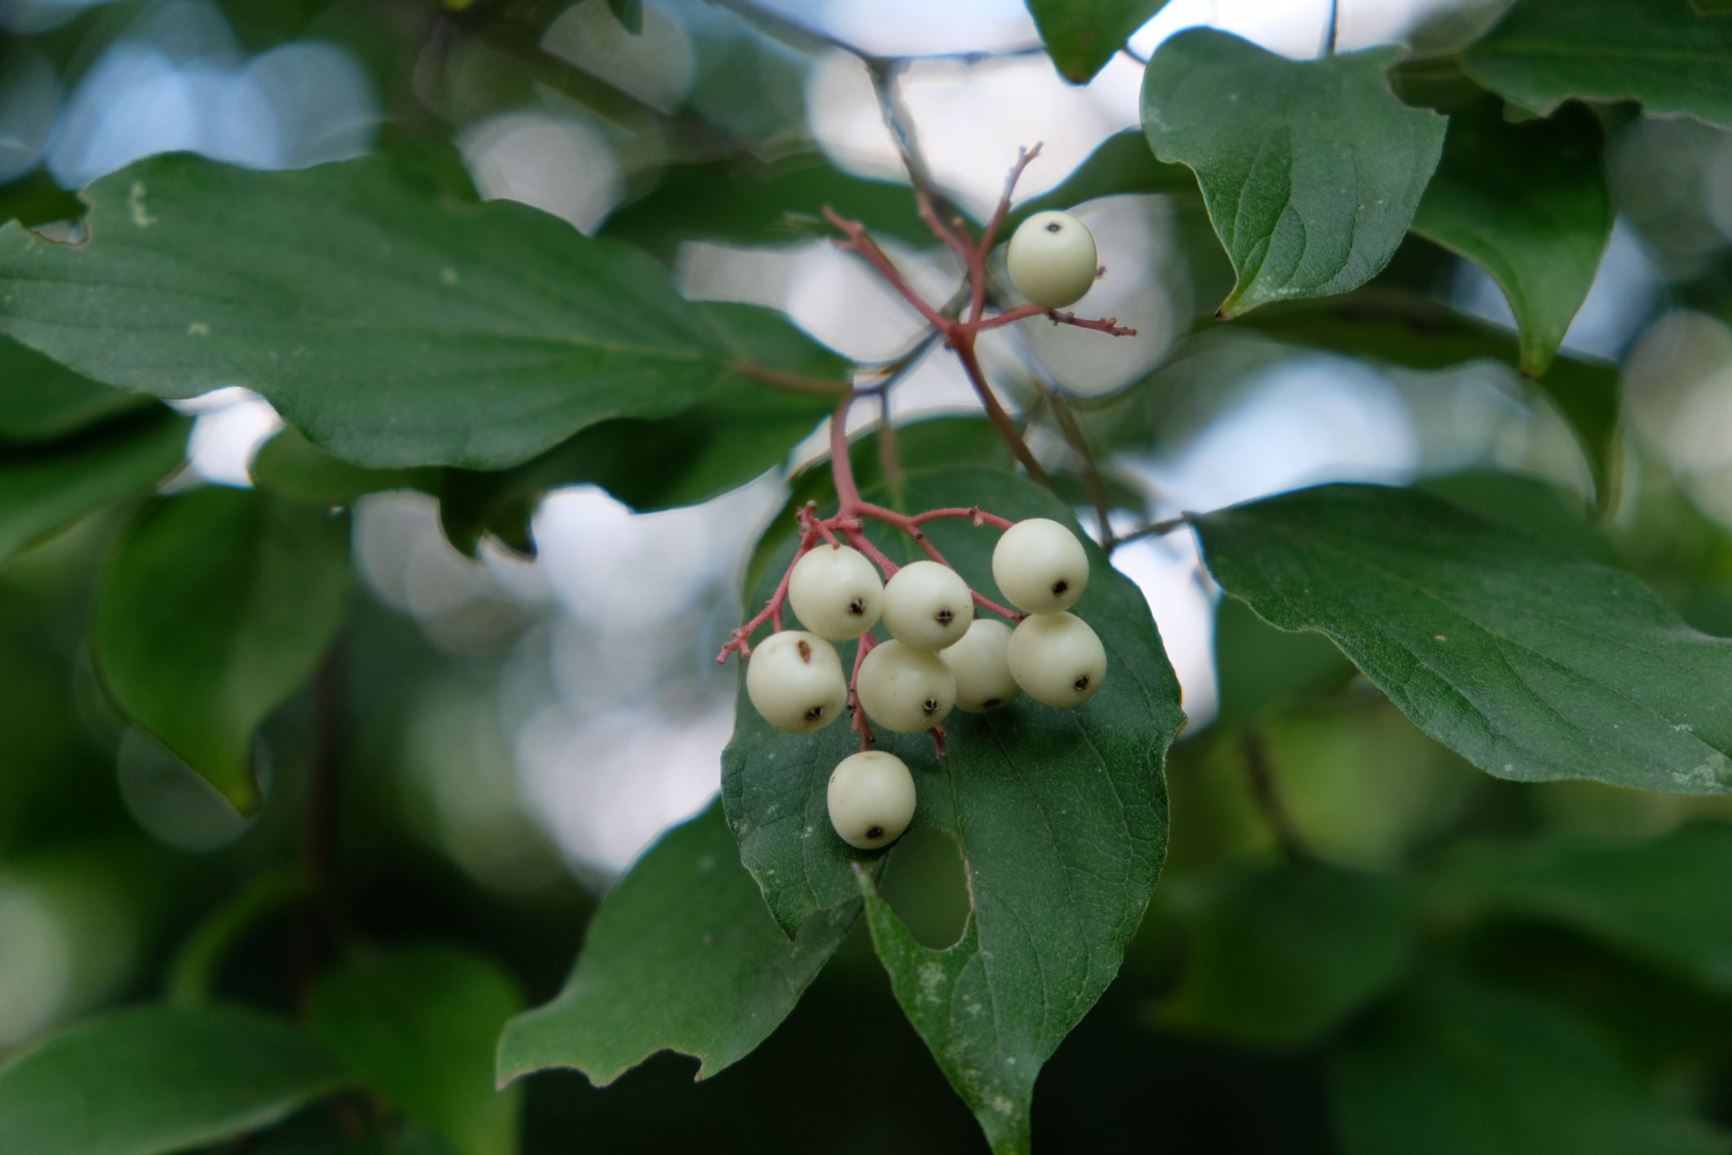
column 939, row 655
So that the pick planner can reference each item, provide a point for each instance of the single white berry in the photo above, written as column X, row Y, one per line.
column 835, row 592
column 1052, row 259
column 927, row 606
column 1040, row 566
column 980, row 662
column 795, row 681
column 904, row 689
column 1057, row 659
column 871, row 799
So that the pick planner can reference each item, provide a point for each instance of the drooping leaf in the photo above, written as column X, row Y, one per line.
column 41, row 399
column 1121, row 166
column 290, row 465
column 158, row 1079
column 1457, row 1066
column 1658, row 900
column 1311, row 170
column 745, row 201
column 1060, row 817
column 1528, row 203
column 748, row 429
column 1663, row 54
column 45, row 488
column 1283, row 955
column 681, row 956
column 392, row 320
column 1419, row 335
column 418, row 1028
column 214, row 608
column 1082, row 35
column 1533, row 663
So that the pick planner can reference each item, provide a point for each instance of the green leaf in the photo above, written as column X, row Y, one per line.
column 291, row 466
column 1121, row 166
column 392, row 320
column 1419, row 335
column 1659, row 900
column 681, row 956
column 746, row 430
column 1457, row 1067
column 1060, row 817
column 1082, row 35
column 44, row 489
column 214, row 608
column 1528, row 203
column 152, row 1079
column 1662, row 54
column 1535, row 507
column 1283, row 955
column 746, row 201
column 1533, row 663
column 41, row 400
column 418, row 1027
column 1311, row 170
column 629, row 13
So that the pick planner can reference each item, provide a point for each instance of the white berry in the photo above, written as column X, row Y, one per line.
column 871, row 799
column 904, row 689
column 1040, row 566
column 795, row 681
column 1052, row 259
column 981, row 665
column 835, row 592
column 1057, row 659
column 927, row 606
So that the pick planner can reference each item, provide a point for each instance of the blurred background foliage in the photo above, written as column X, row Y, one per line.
column 1359, row 939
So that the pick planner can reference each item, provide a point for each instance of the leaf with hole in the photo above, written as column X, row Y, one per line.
column 154, row 1080
column 1311, row 170
column 394, row 321
column 1532, row 662
column 1060, row 817
column 216, row 605
column 681, row 956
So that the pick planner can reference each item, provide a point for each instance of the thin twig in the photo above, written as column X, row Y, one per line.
column 1097, row 490
column 808, row 37
column 1332, row 33
column 1158, row 529
column 1267, row 796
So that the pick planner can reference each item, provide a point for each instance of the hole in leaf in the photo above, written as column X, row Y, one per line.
column 926, row 886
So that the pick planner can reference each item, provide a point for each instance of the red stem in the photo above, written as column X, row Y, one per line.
column 859, row 721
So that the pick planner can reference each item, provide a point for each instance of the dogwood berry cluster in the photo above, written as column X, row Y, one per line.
column 939, row 656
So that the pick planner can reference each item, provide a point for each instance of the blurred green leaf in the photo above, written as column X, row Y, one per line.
column 392, row 320
column 1082, row 35
column 1534, row 507
column 681, row 956
column 1534, row 664
column 216, row 605
column 1659, row 900
column 1121, row 166
column 1529, row 204
column 291, row 466
column 1663, row 54
column 45, row 488
column 1260, row 669
column 1419, row 335
column 629, row 13
column 1282, row 955
column 418, row 1027
column 154, row 1079
column 1311, row 170
column 41, row 399
column 1060, row 817
column 745, row 201
column 1455, row 1067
